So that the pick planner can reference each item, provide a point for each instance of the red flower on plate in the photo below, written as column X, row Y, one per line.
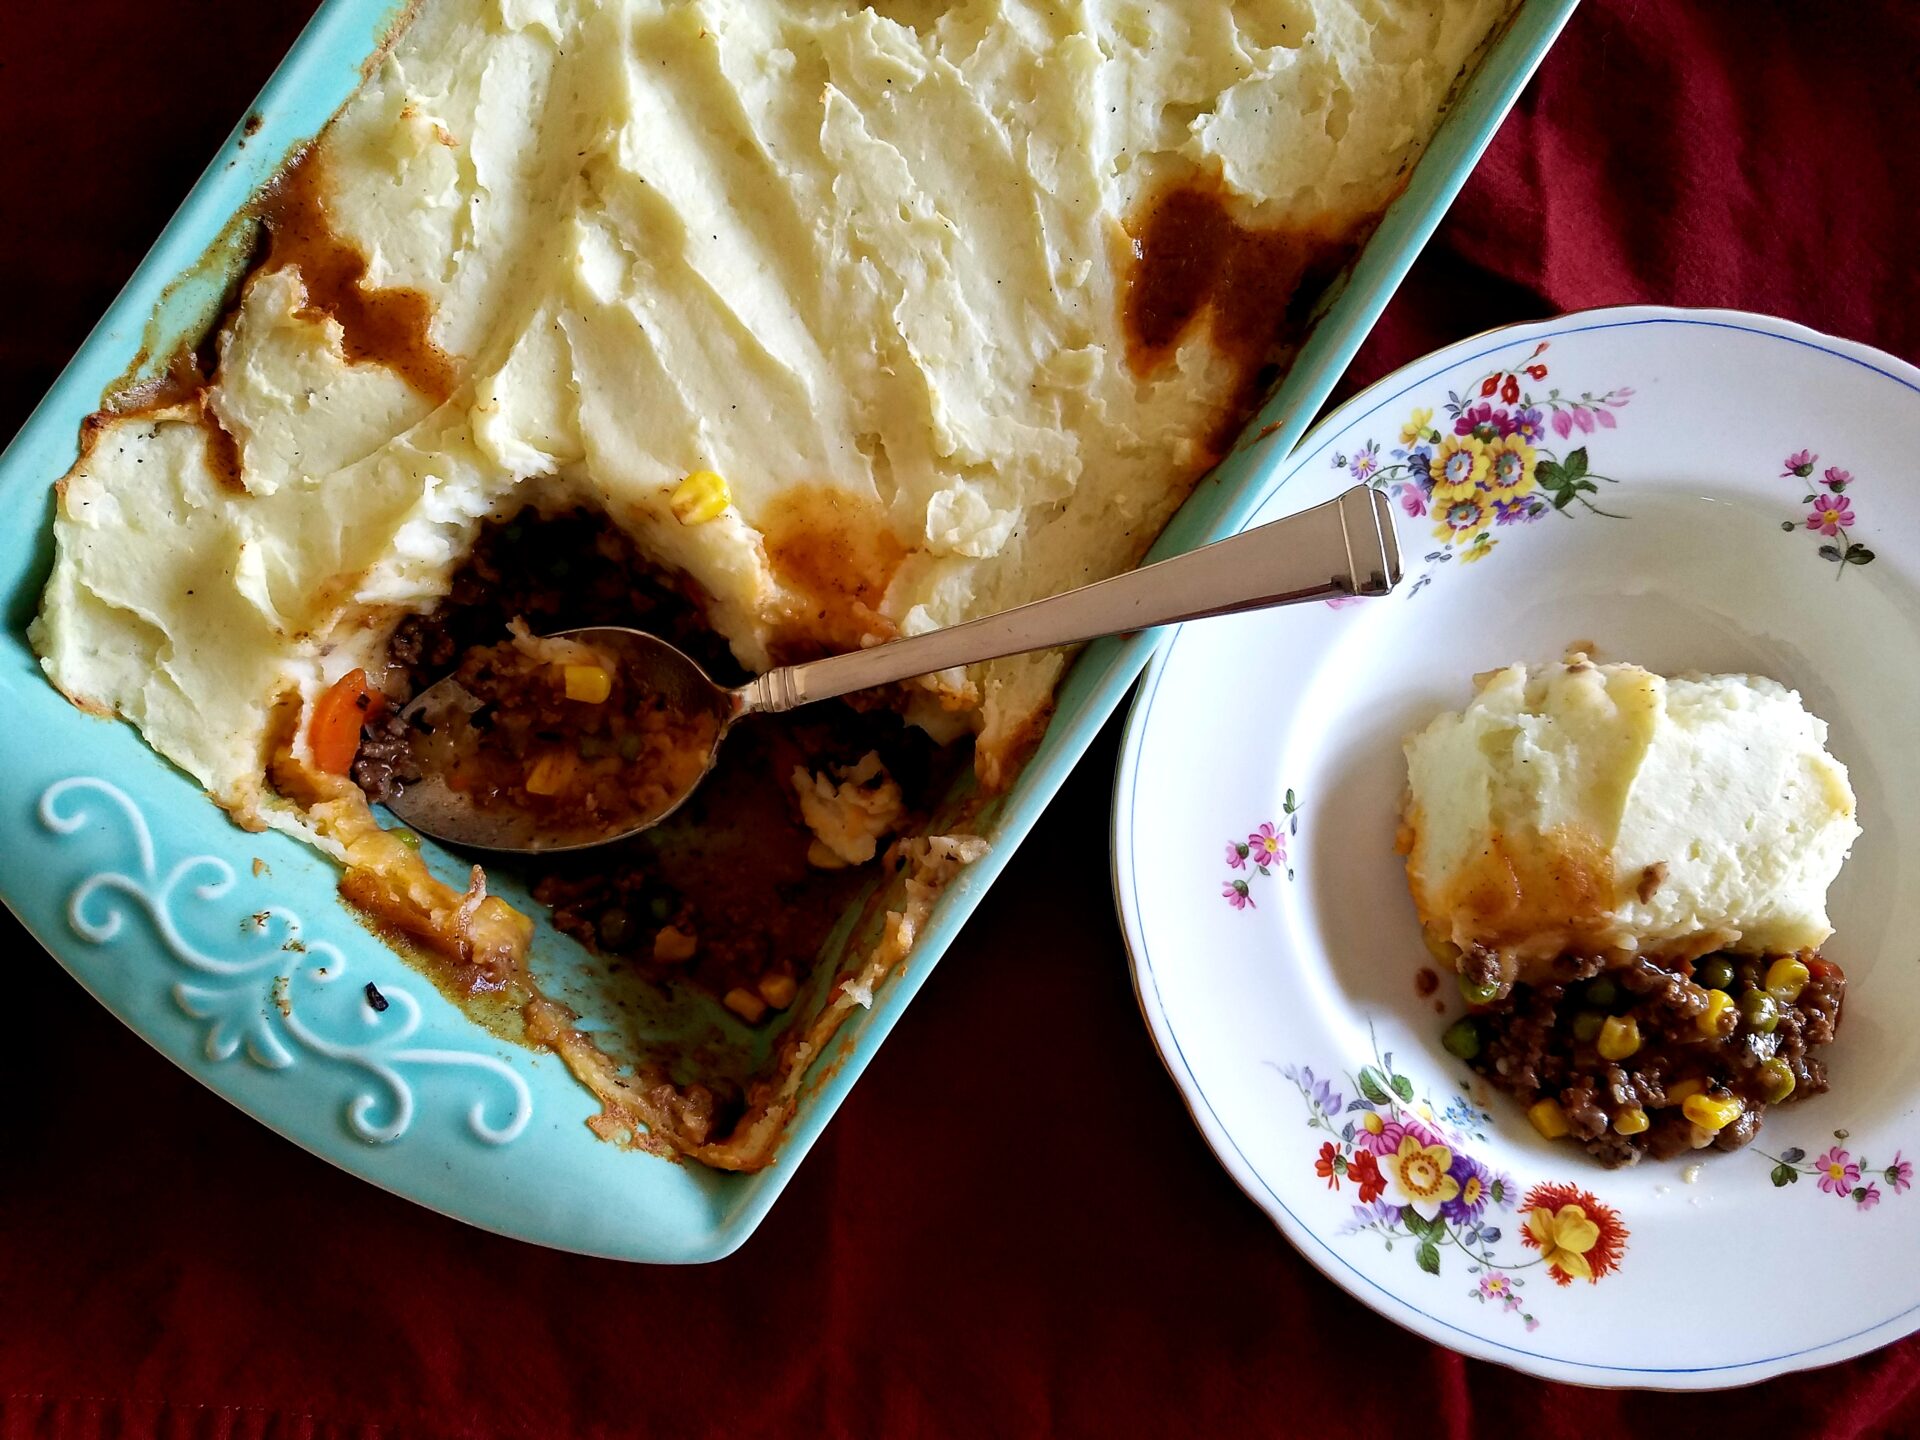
column 1330, row 1166
column 1364, row 1170
column 1578, row 1236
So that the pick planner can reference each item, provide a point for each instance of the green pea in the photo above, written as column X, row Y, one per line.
column 1777, row 1078
column 630, row 747
column 1760, row 1010
column 1477, row 994
column 1601, row 991
column 1714, row 973
column 660, row 907
column 1462, row 1039
column 1586, row 1025
column 592, row 747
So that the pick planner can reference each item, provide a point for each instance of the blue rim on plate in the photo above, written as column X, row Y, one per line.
column 153, row 901
column 1172, row 950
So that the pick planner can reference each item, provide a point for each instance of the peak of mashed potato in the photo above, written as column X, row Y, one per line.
column 868, row 263
column 1589, row 808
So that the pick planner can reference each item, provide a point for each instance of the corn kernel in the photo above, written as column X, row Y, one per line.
column 1630, row 1121
column 589, row 684
column 744, row 1003
column 778, row 990
column 1711, row 1114
column 1548, row 1118
column 1718, row 1018
column 550, row 773
column 1685, row 1090
column 701, row 497
column 1619, row 1038
column 1786, row 978
column 672, row 945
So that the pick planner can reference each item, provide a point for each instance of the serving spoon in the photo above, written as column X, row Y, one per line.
column 1345, row 546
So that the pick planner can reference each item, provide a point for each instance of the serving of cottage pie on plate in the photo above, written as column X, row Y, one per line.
column 1535, row 946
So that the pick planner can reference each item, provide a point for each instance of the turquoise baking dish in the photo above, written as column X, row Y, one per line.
column 230, row 952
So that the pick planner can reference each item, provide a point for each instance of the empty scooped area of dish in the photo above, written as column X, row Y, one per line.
column 690, row 951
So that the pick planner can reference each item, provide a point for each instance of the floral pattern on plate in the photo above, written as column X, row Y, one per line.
column 1841, row 1173
column 1416, row 1182
column 1830, row 510
column 1260, row 854
column 1493, row 462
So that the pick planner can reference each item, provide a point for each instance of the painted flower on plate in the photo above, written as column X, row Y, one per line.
column 1837, row 1171
column 1475, row 1183
column 1365, row 462
column 1483, row 422
column 1457, row 468
column 1867, row 1196
column 1420, row 1173
column 1364, row 1170
column 1419, row 423
column 1529, row 425
column 1330, row 1167
column 1236, row 856
column 1800, row 463
column 1900, row 1173
column 1268, row 846
column 1376, row 1134
column 1234, row 892
column 1510, row 468
column 1836, row 479
column 1462, row 516
column 1578, row 1237
column 1831, row 514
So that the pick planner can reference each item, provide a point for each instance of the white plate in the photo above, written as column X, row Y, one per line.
column 1282, row 995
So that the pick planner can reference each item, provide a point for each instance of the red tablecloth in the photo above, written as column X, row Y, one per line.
column 1011, row 1228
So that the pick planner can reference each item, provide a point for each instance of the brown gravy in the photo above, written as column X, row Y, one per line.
column 379, row 326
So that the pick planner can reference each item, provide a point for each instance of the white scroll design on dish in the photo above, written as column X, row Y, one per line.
column 254, row 1002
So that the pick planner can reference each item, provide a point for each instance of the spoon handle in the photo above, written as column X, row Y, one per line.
column 1343, row 547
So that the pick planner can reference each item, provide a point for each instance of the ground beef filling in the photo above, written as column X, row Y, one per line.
column 1646, row 1059
column 556, row 728
column 721, row 895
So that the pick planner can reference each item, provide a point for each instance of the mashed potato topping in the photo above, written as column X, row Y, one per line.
column 1583, row 808
column 871, row 264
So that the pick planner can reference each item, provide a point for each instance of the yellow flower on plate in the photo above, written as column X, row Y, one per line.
column 1417, row 426
column 1564, row 1237
column 1420, row 1175
column 1510, row 467
column 1457, row 468
column 1463, row 516
column 1481, row 547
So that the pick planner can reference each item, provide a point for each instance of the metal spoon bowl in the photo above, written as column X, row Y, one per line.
column 1343, row 547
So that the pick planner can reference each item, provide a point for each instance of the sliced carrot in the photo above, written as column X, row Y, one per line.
column 333, row 734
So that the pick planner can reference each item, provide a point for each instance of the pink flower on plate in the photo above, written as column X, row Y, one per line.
column 1838, row 1174
column 1583, row 417
column 1836, row 479
column 1236, row 856
column 1830, row 515
column 1562, row 423
column 1413, row 501
column 1868, row 1197
column 1800, row 463
column 1234, row 892
column 1900, row 1173
column 1483, row 422
column 1269, row 846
